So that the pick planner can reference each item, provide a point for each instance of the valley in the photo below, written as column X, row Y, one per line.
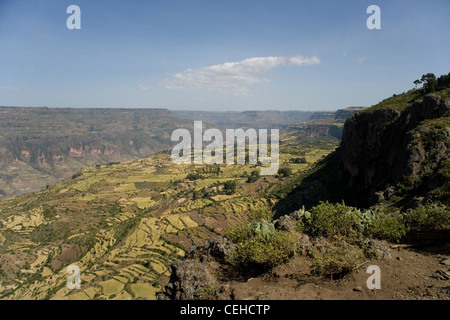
column 130, row 226
column 124, row 224
column 43, row 146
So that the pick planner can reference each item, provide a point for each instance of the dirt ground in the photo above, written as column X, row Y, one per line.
column 413, row 273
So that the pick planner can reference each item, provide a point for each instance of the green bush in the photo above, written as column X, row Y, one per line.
column 257, row 251
column 429, row 217
column 341, row 221
column 285, row 172
column 206, row 293
column 253, row 177
column 264, row 213
column 332, row 220
column 194, row 176
column 337, row 262
column 298, row 160
column 76, row 175
column 229, row 187
column 387, row 227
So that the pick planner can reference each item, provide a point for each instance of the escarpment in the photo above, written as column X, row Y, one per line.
column 387, row 151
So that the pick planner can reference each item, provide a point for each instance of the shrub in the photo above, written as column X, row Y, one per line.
column 262, row 214
column 340, row 221
column 337, row 262
column 257, row 251
column 229, row 187
column 285, row 172
column 387, row 227
column 194, row 176
column 206, row 293
column 328, row 219
column 76, row 175
column 298, row 160
column 253, row 177
column 427, row 217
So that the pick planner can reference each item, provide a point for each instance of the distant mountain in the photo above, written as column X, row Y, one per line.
column 325, row 123
column 247, row 119
column 40, row 146
column 322, row 115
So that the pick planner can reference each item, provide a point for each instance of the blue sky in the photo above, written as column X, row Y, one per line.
column 218, row 55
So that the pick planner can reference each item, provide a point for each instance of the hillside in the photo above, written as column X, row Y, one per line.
column 381, row 199
column 42, row 146
column 394, row 153
column 150, row 229
column 124, row 224
column 248, row 119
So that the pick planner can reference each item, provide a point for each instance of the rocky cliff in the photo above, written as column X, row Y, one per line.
column 330, row 123
column 396, row 150
column 324, row 129
column 343, row 114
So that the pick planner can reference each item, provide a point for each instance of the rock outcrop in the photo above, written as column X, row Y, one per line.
column 188, row 278
column 384, row 151
column 323, row 129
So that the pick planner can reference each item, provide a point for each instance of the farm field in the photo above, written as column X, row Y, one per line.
column 124, row 224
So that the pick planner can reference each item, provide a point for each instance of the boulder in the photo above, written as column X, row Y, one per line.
column 220, row 247
column 285, row 223
column 381, row 247
column 186, row 280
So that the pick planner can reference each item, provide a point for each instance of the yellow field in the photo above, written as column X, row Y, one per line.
column 129, row 221
column 145, row 290
column 111, row 287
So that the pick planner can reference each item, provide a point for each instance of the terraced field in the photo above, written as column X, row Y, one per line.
column 123, row 224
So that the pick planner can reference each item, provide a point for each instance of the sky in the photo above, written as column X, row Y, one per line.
column 218, row 55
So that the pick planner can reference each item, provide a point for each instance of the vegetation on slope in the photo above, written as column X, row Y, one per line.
column 124, row 223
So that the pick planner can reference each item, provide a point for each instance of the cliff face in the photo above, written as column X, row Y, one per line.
column 343, row 114
column 30, row 165
column 388, row 146
column 322, row 130
column 330, row 123
column 385, row 152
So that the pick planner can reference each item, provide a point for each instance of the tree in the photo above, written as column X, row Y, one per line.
column 430, row 82
column 417, row 82
column 230, row 187
column 443, row 82
column 285, row 172
column 253, row 177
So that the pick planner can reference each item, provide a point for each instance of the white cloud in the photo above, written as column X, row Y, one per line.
column 233, row 75
column 361, row 59
column 142, row 87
